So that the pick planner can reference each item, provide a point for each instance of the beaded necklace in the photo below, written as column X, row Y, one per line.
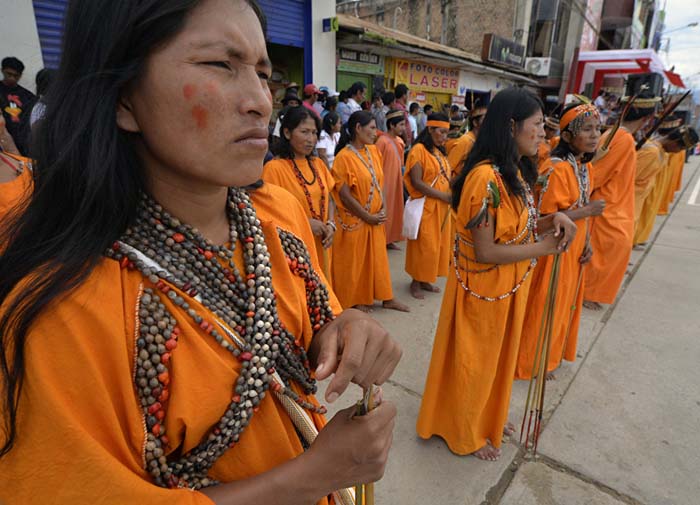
column 304, row 186
column 439, row 157
column 374, row 186
column 528, row 232
column 582, row 179
column 180, row 264
column 22, row 164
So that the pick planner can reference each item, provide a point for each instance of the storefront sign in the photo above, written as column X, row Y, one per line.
column 330, row 24
column 502, row 51
column 350, row 60
column 419, row 76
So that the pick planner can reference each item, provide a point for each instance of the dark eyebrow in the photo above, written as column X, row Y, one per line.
column 232, row 52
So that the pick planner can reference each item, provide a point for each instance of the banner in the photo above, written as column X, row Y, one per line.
column 420, row 76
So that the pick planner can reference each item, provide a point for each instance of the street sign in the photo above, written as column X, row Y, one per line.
column 330, row 24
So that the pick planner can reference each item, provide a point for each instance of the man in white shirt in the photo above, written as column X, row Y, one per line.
column 357, row 96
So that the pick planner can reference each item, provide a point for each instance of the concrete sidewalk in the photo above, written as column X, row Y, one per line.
column 620, row 423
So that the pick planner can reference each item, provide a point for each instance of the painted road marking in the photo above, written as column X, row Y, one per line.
column 693, row 200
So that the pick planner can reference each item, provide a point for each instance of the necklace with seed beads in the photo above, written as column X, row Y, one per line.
column 304, row 183
column 181, row 264
column 374, row 186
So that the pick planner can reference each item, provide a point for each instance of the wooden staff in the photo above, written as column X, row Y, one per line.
column 364, row 493
column 667, row 111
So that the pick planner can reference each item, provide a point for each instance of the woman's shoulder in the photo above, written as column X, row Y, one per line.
column 276, row 204
column 484, row 170
column 96, row 309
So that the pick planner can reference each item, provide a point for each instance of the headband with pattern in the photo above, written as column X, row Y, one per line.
column 576, row 116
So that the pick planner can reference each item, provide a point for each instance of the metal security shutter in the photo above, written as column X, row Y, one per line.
column 285, row 21
column 49, row 16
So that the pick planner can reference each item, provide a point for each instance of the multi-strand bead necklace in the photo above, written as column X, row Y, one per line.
column 528, row 233
column 182, row 265
column 320, row 215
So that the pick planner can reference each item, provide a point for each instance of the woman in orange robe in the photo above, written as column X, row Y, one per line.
column 305, row 176
column 467, row 391
column 360, row 270
column 566, row 188
column 612, row 232
column 158, row 343
column 428, row 176
column 391, row 147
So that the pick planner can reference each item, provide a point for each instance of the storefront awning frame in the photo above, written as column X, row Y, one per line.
column 387, row 38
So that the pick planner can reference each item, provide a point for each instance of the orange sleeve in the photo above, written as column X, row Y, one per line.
column 344, row 171
column 457, row 154
column 271, row 171
column 80, row 431
column 559, row 194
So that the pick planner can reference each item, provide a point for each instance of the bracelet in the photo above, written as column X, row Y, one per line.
column 332, row 225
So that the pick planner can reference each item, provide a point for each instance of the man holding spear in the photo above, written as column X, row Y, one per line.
column 613, row 178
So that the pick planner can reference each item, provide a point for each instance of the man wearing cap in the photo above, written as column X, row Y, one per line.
column 291, row 99
column 463, row 146
column 653, row 177
column 311, row 93
column 551, row 139
column 612, row 232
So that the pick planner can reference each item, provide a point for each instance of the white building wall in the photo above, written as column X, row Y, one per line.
column 323, row 44
column 480, row 82
column 19, row 38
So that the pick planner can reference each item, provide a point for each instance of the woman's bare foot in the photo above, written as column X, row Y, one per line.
column 487, row 453
column 550, row 376
column 393, row 247
column 394, row 305
column 426, row 286
column 364, row 308
column 416, row 290
column 592, row 305
column 509, row 429
column 640, row 247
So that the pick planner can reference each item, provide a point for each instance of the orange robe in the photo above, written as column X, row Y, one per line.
column 428, row 257
column 450, row 143
column 360, row 267
column 612, row 232
column 679, row 162
column 15, row 190
column 281, row 172
column 543, row 152
column 391, row 149
column 81, row 434
column 560, row 192
column 467, row 391
column 648, row 187
column 459, row 152
column 675, row 162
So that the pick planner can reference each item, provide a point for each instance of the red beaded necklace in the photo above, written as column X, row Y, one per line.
column 304, row 186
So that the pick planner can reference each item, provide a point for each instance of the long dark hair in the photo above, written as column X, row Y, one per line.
column 563, row 148
column 292, row 119
column 89, row 177
column 426, row 138
column 361, row 117
column 496, row 144
column 329, row 121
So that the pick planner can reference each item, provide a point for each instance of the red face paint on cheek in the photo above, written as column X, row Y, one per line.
column 188, row 91
column 200, row 115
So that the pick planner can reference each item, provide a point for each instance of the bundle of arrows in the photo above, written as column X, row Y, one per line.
column 534, row 405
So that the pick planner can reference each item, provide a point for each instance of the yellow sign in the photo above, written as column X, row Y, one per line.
column 419, row 76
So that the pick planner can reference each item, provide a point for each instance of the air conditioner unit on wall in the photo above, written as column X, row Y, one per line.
column 538, row 66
